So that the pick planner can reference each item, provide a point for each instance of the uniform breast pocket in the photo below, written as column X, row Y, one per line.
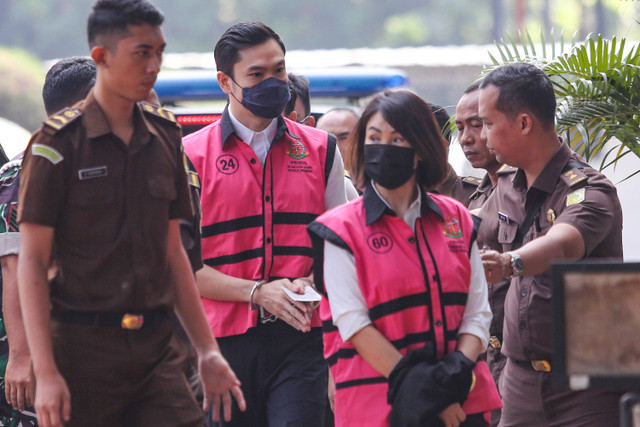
column 162, row 190
column 92, row 212
column 162, row 187
column 507, row 232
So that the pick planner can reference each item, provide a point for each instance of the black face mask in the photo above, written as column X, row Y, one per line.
column 388, row 165
column 267, row 99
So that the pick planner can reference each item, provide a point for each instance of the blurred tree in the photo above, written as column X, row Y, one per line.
column 21, row 80
column 56, row 28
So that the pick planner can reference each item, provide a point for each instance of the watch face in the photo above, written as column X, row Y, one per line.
column 517, row 264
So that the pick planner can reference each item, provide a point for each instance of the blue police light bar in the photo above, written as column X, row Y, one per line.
column 341, row 82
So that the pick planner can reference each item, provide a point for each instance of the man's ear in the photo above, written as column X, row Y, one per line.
column 98, row 54
column 225, row 82
column 293, row 116
column 526, row 123
column 311, row 121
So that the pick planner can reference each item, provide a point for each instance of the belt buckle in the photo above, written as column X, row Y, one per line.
column 132, row 321
column 541, row 365
column 495, row 342
column 266, row 319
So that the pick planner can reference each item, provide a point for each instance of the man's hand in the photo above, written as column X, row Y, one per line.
column 331, row 392
column 497, row 266
column 19, row 381
column 53, row 401
column 273, row 299
column 452, row 415
column 219, row 382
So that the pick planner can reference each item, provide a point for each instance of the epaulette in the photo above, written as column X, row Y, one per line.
column 61, row 119
column 506, row 169
column 192, row 175
column 573, row 176
column 472, row 180
column 159, row 112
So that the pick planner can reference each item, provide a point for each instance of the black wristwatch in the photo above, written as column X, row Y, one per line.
column 517, row 266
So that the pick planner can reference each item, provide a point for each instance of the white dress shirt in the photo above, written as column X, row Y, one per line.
column 349, row 309
column 335, row 193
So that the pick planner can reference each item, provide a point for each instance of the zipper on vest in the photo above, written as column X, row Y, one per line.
column 425, row 274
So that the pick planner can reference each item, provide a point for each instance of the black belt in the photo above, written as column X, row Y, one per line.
column 534, row 365
column 113, row 320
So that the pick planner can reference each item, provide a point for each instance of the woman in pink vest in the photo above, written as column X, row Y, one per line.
column 407, row 313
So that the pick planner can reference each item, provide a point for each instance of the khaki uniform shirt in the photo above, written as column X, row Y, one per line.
column 581, row 197
column 457, row 187
column 110, row 205
column 497, row 291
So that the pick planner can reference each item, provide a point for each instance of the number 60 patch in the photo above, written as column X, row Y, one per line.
column 227, row 164
column 380, row 243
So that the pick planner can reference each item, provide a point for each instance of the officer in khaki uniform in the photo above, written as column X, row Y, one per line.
column 105, row 183
column 560, row 209
column 474, row 147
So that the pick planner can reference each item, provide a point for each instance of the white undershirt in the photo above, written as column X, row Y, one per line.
column 349, row 309
column 335, row 193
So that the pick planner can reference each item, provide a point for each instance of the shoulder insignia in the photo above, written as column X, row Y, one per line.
column 472, row 180
column 575, row 197
column 505, row 169
column 573, row 176
column 158, row 111
column 62, row 118
column 47, row 152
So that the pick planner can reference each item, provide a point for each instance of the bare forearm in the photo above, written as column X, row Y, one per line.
column 11, row 306
column 35, row 302
column 376, row 349
column 562, row 242
column 470, row 346
column 217, row 285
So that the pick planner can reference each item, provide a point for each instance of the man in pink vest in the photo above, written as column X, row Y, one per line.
column 264, row 178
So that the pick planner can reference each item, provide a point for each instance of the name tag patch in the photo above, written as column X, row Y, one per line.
column 90, row 173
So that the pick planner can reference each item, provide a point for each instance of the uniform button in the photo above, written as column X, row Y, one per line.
column 268, row 239
column 438, row 323
column 268, row 199
column 412, row 240
column 124, row 285
column 524, row 293
column 252, row 161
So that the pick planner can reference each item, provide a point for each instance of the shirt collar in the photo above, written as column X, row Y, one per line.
column 375, row 206
column 96, row 123
column 229, row 125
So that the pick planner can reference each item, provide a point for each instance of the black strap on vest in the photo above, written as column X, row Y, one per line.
column 536, row 204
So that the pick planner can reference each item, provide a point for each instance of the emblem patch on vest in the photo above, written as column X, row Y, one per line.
column 453, row 231
column 380, row 243
column 297, row 150
column 227, row 164
column 452, row 228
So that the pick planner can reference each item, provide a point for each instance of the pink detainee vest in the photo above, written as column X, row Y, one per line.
column 416, row 288
column 254, row 217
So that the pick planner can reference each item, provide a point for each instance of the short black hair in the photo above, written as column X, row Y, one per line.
column 409, row 115
column 523, row 86
column 238, row 37
column 67, row 82
column 293, row 97
column 113, row 18
column 442, row 117
column 300, row 85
